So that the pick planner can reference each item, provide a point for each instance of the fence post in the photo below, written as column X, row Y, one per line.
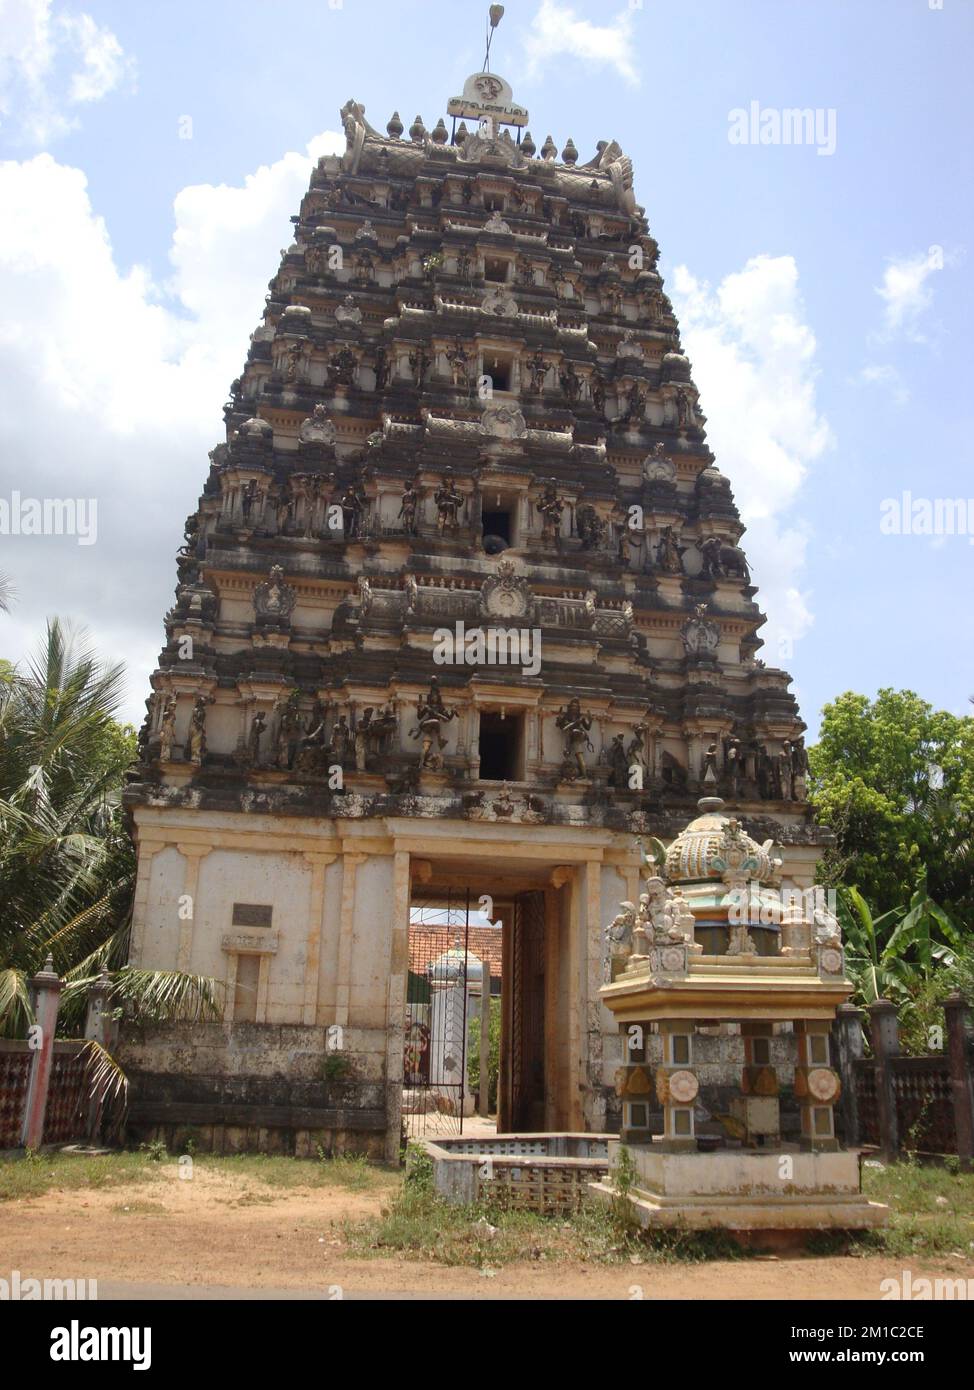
column 98, row 1024
column 47, row 989
column 955, row 1012
column 885, row 1037
column 849, row 1048
column 483, row 1100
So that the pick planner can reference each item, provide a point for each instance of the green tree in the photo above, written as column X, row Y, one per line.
column 894, row 778
column 67, row 864
column 494, row 1054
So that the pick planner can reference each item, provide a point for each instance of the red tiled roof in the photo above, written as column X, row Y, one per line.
column 428, row 942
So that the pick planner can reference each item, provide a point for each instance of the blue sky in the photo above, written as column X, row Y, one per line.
column 826, row 298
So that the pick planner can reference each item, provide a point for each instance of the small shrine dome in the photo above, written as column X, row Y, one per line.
column 256, row 429
column 696, row 853
column 448, row 969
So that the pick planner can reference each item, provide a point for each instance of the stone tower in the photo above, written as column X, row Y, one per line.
column 462, row 603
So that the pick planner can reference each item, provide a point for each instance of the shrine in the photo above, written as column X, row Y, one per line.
column 465, row 409
column 701, row 992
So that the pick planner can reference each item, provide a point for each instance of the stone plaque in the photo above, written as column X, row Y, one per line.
column 252, row 915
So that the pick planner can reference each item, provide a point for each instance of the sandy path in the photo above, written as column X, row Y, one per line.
column 217, row 1230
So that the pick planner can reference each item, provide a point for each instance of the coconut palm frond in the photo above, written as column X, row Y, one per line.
column 107, row 1088
column 165, row 996
column 16, row 1014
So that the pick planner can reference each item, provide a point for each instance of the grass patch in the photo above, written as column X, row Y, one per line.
column 931, row 1210
column 139, row 1207
column 35, row 1174
column 484, row 1235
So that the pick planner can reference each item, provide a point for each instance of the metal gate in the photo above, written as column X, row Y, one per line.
column 435, row 1086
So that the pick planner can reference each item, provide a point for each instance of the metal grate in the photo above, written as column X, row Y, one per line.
column 65, row 1118
column 14, row 1078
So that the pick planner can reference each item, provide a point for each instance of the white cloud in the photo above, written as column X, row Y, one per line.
column 111, row 386
column 753, row 357
column 40, row 76
column 555, row 33
column 905, row 291
column 105, row 65
column 886, row 376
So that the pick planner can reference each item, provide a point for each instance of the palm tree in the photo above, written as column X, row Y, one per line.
column 66, row 862
column 6, row 593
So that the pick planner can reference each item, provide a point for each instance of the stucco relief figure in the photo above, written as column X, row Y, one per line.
column 618, row 934
column 448, row 504
column 353, row 503
column 701, row 637
column 340, row 743
column 408, row 508
column 571, row 382
column 167, row 733
column 618, row 764
column 288, row 733
column 635, row 404
column 274, row 598
column 311, row 756
column 419, row 364
column 710, row 764
column 459, row 361
column 371, row 735
column 669, row 554
column 575, row 726
column 590, row 527
column 598, row 395
column 733, row 765
column 551, row 507
column 722, row 561
column 666, row 914
column 431, row 715
column 799, row 769
column 381, row 368
column 257, row 727
column 538, row 365
column 341, row 368
column 197, row 730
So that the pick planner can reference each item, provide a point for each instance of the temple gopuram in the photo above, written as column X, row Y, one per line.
column 462, row 609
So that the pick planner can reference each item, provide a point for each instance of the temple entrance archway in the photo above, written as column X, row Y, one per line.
column 530, row 954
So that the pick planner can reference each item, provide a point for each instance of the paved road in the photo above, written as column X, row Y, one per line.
column 216, row 1293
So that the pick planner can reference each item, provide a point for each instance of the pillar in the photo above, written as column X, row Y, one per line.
column 955, row 1013
column 193, row 854
column 99, row 1027
column 350, row 863
column 47, row 991
column 848, row 1042
column 319, row 865
column 817, row 1086
column 396, row 1000
column 677, row 1085
column 885, row 1037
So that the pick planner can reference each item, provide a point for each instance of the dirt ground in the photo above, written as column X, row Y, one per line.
column 220, row 1230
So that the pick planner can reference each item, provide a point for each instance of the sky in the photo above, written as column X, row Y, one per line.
column 151, row 157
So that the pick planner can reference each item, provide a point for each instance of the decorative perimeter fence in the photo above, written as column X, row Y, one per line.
column 922, row 1105
column 546, row 1173
column 59, row 1110
column 46, row 1083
